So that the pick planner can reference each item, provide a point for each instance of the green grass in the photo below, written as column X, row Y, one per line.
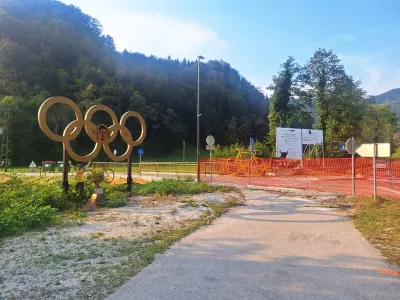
column 378, row 221
column 396, row 154
column 177, row 187
column 30, row 202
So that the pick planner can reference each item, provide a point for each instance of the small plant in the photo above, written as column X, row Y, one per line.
column 188, row 178
column 173, row 211
column 114, row 199
column 96, row 235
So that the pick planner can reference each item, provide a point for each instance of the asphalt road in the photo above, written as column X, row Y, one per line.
column 271, row 249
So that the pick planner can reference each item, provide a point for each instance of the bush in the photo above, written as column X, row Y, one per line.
column 231, row 150
column 27, row 203
column 114, row 199
column 167, row 186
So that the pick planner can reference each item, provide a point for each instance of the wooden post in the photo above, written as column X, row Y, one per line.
column 374, row 168
column 65, row 182
column 129, row 176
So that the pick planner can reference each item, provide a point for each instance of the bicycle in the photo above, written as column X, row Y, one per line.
column 244, row 160
column 103, row 175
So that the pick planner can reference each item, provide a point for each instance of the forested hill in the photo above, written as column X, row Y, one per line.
column 391, row 98
column 48, row 48
column 388, row 97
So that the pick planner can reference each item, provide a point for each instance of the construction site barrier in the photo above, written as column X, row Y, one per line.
column 323, row 174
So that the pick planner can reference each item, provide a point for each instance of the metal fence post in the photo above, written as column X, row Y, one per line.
column 374, row 168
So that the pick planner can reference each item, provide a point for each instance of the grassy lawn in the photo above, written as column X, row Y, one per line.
column 30, row 202
column 378, row 221
column 174, row 156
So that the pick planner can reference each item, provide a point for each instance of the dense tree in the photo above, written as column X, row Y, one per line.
column 48, row 48
column 287, row 104
column 379, row 125
column 323, row 74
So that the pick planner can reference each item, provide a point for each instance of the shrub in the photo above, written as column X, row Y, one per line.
column 231, row 150
column 114, row 199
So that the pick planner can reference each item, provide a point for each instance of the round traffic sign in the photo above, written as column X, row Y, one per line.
column 210, row 140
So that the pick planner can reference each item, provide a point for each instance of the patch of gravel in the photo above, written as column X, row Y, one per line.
column 69, row 261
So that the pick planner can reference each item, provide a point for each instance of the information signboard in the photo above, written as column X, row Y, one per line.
column 288, row 140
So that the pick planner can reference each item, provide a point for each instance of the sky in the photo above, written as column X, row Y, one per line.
column 257, row 36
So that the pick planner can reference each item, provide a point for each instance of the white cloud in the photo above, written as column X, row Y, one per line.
column 152, row 33
column 376, row 77
column 262, row 83
column 162, row 36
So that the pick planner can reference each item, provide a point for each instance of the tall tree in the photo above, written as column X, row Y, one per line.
column 323, row 74
column 379, row 125
column 286, row 103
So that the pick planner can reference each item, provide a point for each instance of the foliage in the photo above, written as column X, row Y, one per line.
column 342, row 108
column 232, row 150
column 29, row 202
column 167, row 186
column 226, row 151
column 48, row 48
column 379, row 125
column 322, row 73
column 26, row 205
column 114, row 199
column 287, row 104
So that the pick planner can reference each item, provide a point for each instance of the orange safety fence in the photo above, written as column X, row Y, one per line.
column 328, row 174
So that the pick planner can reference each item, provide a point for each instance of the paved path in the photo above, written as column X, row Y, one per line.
column 271, row 249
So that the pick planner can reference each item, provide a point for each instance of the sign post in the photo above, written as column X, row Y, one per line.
column 374, row 168
column 32, row 166
column 350, row 147
column 65, row 182
column 115, row 154
column 129, row 179
column 183, row 154
column 140, row 152
column 374, row 151
column 251, row 155
column 210, row 140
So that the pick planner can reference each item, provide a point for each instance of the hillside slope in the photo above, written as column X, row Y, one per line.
column 48, row 48
column 391, row 98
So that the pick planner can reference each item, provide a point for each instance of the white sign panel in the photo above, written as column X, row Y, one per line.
column 289, row 140
column 367, row 150
column 312, row 137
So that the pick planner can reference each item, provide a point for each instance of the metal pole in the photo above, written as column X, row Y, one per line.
column 6, row 159
column 210, row 165
column 129, row 176
column 184, row 146
column 198, row 118
column 374, row 168
column 251, row 157
column 65, row 182
column 353, row 170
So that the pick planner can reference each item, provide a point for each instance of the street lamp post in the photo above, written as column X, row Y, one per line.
column 198, row 116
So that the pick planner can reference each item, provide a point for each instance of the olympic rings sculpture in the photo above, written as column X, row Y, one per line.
column 101, row 134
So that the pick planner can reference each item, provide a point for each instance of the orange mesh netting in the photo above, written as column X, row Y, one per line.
column 329, row 174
